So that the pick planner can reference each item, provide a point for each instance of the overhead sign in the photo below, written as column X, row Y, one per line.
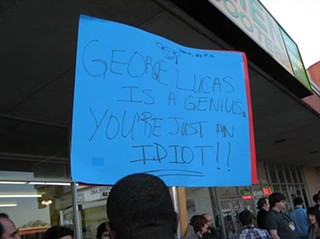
column 253, row 19
column 143, row 103
column 296, row 61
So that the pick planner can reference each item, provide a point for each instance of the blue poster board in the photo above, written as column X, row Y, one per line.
column 143, row 103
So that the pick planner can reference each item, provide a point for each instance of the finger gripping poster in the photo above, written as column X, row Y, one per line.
column 143, row 103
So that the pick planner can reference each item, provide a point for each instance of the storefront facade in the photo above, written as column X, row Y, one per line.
column 83, row 207
column 35, row 203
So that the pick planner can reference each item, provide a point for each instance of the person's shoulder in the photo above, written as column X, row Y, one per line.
column 270, row 213
column 273, row 212
column 293, row 212
column 263, row 233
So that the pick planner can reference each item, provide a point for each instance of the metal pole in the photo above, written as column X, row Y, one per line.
column 176, row 208
column 76, row 213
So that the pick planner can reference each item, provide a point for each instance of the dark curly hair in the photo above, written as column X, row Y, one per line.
column 140, row 206
column 56, row 232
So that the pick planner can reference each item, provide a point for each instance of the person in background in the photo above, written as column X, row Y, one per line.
column 300, row 218
column 197, row 227
column 1, row 230
column 314, row 219
column 316, row 199
column 190, row 233
column 8, row 229
column 249, row 231
column 58, row 232
column 140, row 206
column 102, row 231
column 212, row 232
column 263, row 206
column 279, row 224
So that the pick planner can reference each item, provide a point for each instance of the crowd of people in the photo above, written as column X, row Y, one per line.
column 140, row 206
column 273, row 222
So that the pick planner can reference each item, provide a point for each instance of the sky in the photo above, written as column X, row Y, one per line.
column 300, row 19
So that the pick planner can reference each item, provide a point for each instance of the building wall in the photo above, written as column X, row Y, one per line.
column 314, row 76
column 312, row 181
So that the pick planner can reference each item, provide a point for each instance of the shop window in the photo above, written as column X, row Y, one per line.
column 272, row 173
column 262, row 173
column 35, row 206
column 284, row 189
column 92, row 201
column 276, row 188
column 281, row 174
column 299, row 175
column 304, row 196
column 294, row 174
column 288, row 174
column 227, row 191
column 198, row 201
column 202, row 200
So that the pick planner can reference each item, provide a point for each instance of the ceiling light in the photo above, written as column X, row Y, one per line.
column 20, row 195
column 37, row 183
column 8, row 204
column 58, row 184
column 12, row 182
column 46, row 202
column 49, row 183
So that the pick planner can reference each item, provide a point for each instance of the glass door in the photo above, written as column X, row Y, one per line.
column 230, row 209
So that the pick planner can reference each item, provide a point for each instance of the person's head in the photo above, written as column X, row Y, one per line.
column 313, row 215
column 58, row 232
column 210, row 219
column 246, row 217
column 8, row 229
column 263, row 203
column 297, row 201
column 277, row 201
column 102, row 232
column 199, row 224
column 140, row 205
column 316, row 198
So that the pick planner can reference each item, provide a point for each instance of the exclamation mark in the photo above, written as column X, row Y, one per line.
column 217, row 155
column 228, row 158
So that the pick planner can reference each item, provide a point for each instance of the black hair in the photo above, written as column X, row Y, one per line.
column 140, row 206
column 315, row 197
column 56, row 232
column 314, row 211
column 261, row 202
column 297, row 201
column 4, row 215
column 246, row 217
column 101, row 229
column 276, row 197
column 197, row 222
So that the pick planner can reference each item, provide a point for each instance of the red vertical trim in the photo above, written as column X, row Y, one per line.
column 254, row 175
